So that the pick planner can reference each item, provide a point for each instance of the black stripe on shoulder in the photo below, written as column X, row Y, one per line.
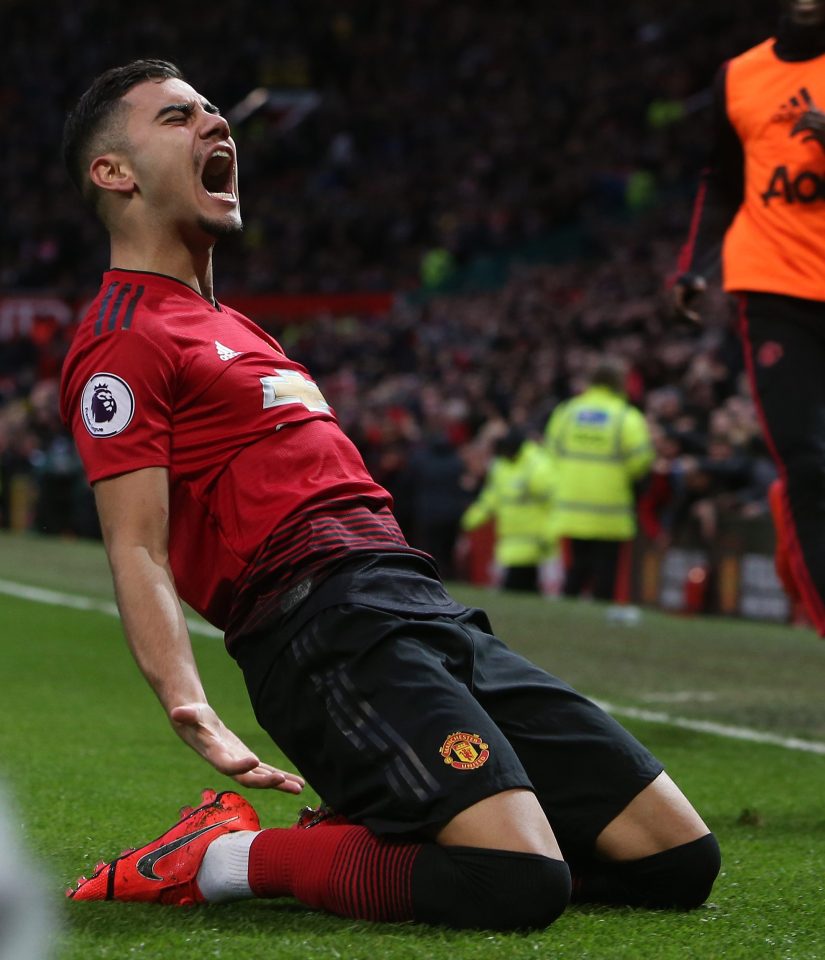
column 130, row 309
column 117, row 315
column 116, row 308
column 104, row 306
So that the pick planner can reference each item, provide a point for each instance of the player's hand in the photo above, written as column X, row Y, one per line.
column 812, row 124
column 199, row 726
column 685, row 291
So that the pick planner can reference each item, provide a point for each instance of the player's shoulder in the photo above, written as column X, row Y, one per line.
column 140, row 302
column 126, row 322
column 120, row 302
column 762, row 52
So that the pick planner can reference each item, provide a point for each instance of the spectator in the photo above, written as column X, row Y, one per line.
column 477, row 144
column 435, row 474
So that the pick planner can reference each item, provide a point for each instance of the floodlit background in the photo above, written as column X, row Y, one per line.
column 450, row 210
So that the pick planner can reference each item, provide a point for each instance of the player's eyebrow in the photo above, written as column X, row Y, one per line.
column 186, row 108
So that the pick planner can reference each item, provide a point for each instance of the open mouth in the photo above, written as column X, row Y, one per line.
column 218, row 176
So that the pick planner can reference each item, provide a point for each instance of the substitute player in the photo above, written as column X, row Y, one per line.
column 764, row 191
column 462, row 776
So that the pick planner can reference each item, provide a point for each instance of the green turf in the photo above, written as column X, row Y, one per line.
column 93, row 767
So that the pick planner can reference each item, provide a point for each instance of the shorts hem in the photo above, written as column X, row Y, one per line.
column 586, row 834
column 442, row 813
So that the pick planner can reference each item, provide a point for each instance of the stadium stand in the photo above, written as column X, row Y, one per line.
column 511, row 183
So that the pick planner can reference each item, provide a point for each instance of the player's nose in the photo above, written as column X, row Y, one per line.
column 214, row 127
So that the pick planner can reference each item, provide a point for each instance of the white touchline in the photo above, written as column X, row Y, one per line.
column 55, row 598
column 680, row 696
column 718, row 729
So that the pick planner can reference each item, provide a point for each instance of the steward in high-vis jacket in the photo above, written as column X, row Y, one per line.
column 517, row 495
column 600, row 448
column 764, row 194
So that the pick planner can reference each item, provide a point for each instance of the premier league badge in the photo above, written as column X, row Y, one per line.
column 107, row 405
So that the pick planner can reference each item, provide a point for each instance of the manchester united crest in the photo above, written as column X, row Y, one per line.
column 464, row 751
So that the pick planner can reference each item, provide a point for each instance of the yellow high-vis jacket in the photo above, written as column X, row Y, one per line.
column 600, row 446
column 517, row 494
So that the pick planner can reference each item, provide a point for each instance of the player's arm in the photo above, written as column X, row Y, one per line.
column 720, row 195
column 134, row 517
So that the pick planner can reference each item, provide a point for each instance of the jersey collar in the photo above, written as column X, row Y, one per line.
column 162, row 279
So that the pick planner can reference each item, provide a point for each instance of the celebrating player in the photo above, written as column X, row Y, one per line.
column 467, row 784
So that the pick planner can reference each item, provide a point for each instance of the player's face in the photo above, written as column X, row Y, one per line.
column 184, row 159
column 806, row 12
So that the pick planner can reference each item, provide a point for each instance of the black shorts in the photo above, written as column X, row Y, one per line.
column 401, row 715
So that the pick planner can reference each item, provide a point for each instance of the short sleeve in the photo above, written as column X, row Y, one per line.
column 118, row 403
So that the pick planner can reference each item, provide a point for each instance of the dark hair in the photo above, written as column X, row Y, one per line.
column 610, row 371
column 509, row 445
column 95, row 110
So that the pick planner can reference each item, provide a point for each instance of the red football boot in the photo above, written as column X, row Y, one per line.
column 164, row 870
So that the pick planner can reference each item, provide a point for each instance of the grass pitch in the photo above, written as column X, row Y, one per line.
column 93, row 767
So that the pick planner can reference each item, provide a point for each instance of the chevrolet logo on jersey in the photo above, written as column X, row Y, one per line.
column 290, row 386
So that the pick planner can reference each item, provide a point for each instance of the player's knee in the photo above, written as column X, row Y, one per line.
column 485, row 889
column 698, row 870
column 683, row 876
column 525, row 891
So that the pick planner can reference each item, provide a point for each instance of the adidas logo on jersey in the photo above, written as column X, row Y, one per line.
column 794, row 107
column 224, row 353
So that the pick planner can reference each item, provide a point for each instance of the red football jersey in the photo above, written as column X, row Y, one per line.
column 264, row 486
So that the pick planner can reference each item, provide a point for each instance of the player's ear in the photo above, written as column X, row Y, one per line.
column 112, row 171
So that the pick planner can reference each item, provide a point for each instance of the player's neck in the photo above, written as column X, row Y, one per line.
column 192, row 267
column 797, row 42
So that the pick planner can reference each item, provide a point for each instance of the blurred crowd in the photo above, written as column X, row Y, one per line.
column 427, row 390
column 415, row 146
column 451, row 377
column 467, row 127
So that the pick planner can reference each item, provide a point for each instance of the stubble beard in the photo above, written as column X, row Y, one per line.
column 224, row 227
